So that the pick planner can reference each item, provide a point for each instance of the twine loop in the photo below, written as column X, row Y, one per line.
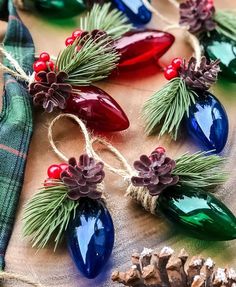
column 126, row 171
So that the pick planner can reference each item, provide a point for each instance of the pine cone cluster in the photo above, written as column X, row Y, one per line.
column 162, row 269
column 155, row 172
column 96, row 35
column 201, row 77
column 83, row 177
column 52, row 91
column 197, row 15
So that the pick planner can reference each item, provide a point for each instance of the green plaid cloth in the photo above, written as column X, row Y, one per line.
column 15, row 123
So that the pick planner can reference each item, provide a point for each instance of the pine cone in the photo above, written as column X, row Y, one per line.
column 52, row 91
column 202, row 77
column 197, row 15
column 155, row 172
column 82, row 178
column 161, row 269
column 96, row 35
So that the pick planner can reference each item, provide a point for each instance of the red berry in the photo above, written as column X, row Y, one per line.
column 50, row 65
column 171, row 73
column 54, row 171
column 39, row 66
column 160, row 149
column 76, row 34
column 49, row 183
column 69, row 41
column 63, row 166
column 176, row 63
column 45, row 57
column 37, row 78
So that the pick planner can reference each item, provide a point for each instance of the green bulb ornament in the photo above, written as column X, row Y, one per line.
column 57, row 8
column 198, row 212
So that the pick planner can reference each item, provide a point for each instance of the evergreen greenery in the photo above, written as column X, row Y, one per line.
column 101, row 17
column 226, row 23
column 165, row 110
column 93, row 62
column 200, row 170
column 47, row 215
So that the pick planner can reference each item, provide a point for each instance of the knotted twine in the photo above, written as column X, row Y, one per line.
column 140, row 194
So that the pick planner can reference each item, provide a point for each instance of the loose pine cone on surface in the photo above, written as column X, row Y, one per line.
column 162, row 269
column 52, row 91
column 197, row 15
column 83, row 177
column 155, row 172
column 202, row 77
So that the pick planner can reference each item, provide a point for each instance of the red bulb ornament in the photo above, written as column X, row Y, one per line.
column 54, row 171
column 140, row 46
column 98, row 109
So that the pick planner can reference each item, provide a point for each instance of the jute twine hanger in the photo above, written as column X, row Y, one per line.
column 140, row 194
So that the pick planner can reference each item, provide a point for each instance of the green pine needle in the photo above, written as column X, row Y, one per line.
column 226, row 23
column 94, row 61
column 166, row 109
column 47, row 215
column 101, row 17
column 200, row 170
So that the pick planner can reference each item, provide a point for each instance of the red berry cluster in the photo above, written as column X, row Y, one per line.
column 43, row 64
column 75, row 35
column 54, row 173
column 172, row 71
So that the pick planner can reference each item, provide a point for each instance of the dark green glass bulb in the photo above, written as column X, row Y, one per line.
column 218, row 46
column 60, row 8
column 198, row 213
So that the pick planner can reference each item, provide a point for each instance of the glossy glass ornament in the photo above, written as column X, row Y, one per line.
column 60, row 8
column 139, row 46
column 218, row 46
column 99, row 110
column 208, row 123
column 135, row 10
column 90, row 237
column 198, row 213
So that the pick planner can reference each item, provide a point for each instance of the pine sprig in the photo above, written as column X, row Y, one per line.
column 167, row 108
column 47, row 215
column 200, row 170
column 93, row 62
column 226, row 23
column 101, row 17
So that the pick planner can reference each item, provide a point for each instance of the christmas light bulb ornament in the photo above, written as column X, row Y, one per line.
column 72, row 205
column 186, row 101
column 59, row 8
column 180, row 189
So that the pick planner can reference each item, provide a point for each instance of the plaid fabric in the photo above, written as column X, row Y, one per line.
column 15, row 123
